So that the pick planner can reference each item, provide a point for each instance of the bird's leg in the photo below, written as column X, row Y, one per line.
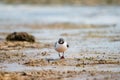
column 59, row 54
column 62, row 57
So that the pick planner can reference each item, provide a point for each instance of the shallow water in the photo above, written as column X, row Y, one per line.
column 52, row 14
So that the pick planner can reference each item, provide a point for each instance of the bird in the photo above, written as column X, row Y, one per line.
column 61, row 46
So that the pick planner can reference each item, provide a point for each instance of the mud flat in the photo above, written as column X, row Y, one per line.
column 94, row 53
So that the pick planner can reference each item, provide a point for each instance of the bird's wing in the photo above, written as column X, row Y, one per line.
column 67, row 45
column 55, row 44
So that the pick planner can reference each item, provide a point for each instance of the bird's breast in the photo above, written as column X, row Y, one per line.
column 61, row 48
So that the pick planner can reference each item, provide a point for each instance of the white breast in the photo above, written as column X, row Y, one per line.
column 61, row 47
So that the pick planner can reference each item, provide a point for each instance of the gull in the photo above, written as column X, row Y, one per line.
column 61, row 46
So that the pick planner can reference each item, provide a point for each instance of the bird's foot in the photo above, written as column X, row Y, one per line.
column 62, row 57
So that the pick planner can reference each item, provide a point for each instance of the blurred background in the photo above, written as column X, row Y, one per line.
column 63, row 2
column 33, row 15
column 42, row 17
column 57, row 11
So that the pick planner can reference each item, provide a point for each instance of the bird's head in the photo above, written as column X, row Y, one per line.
column 61, row 41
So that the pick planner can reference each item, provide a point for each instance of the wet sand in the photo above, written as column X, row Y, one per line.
column 94, row 53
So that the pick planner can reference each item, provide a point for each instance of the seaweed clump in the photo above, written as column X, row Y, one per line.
column 20, row 36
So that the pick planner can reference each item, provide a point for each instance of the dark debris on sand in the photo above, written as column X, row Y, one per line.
column 20, row 36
